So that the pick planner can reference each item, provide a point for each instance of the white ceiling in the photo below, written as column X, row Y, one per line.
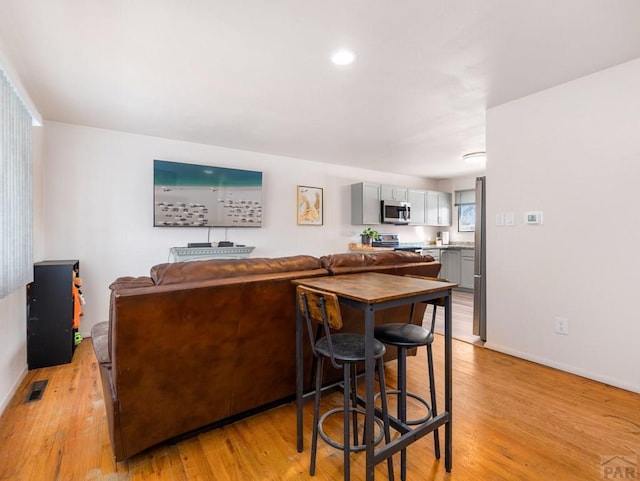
column 256, row 75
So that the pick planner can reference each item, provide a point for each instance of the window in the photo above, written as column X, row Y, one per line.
column 466, row 218
column 465, row 201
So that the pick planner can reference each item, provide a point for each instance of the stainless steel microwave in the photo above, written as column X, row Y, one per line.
column 395, row 212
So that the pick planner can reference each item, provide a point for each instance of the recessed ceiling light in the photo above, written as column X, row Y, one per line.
column 344, row 56
column 475, row 157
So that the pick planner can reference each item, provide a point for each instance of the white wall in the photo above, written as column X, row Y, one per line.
column 13, row 350
column 573, row 152
column 98, row 205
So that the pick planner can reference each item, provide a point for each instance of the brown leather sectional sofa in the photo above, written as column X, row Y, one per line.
column 202, row 343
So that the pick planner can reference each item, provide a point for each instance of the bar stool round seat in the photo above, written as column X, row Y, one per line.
column 407, row 336
column 348, row 347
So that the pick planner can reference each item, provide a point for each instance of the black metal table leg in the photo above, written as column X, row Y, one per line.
column 299, row 380
column 448, row 384
column 369, row 382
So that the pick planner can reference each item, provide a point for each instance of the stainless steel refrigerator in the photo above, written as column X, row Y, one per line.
column 479, row 271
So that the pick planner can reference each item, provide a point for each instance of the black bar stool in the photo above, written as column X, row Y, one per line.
column 344, row 350
column 408, row 336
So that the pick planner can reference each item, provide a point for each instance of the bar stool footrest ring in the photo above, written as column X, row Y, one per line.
column 354, row 448
column 412, row 422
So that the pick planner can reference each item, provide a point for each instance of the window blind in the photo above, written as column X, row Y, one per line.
column 16, row 196
column 465, row 197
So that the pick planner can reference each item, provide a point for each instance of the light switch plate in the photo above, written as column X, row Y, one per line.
column 500, row 219
column 509, row 219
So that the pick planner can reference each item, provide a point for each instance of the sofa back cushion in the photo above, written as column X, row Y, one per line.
column 367, row 261
column 180, row 272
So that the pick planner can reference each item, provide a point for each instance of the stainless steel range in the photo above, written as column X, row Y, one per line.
column 391, row 240
column 386, row 240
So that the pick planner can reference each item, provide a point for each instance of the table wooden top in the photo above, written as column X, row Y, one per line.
column 374, row 287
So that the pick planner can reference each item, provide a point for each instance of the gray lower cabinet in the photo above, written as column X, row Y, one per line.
column 466, row 268
column 457, row 266
column 450, row 259
column 435, row 253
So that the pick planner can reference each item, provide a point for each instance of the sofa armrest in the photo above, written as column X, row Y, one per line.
column 100, row 341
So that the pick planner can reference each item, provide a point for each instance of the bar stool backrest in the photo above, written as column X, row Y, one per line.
column 323, row 309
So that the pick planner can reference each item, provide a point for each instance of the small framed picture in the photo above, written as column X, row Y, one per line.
column 310, row 205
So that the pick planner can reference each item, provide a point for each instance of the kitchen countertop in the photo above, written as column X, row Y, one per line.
column 353, row 246
column 449, row 246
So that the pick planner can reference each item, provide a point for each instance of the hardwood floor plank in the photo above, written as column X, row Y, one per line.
column 462, row 320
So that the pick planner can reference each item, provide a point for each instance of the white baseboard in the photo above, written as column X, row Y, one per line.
column 12, row 392
column 565, row 367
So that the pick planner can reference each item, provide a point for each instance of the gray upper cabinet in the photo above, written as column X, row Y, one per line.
column 418, row 201
column 392, row 192
column 427, row 207
column 438, row 208
column 365, row 204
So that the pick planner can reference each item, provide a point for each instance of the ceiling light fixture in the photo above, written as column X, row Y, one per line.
column 475, row 157
column 344, row 56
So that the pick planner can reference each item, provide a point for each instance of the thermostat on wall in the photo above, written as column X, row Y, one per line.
column 534, row 217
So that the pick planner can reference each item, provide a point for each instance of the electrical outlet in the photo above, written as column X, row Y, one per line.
column 562, row 325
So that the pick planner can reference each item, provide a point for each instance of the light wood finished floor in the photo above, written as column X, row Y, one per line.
column 462, row 318
column 513, row 420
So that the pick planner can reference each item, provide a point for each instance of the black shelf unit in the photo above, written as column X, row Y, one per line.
column 50, row 310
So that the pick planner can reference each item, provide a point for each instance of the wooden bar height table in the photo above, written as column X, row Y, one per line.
column 371, row 292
